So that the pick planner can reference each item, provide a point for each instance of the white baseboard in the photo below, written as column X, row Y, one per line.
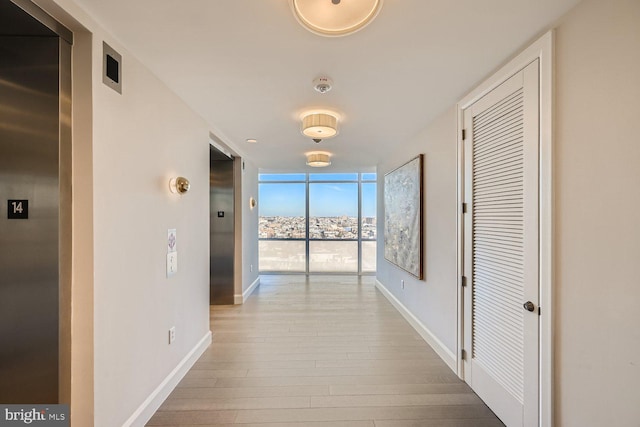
column 143, row 414
column 240, row 299
column 437, row 345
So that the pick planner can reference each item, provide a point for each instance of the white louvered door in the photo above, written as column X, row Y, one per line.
column 501, row 246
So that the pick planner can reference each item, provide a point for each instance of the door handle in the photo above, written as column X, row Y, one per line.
column 529, row 306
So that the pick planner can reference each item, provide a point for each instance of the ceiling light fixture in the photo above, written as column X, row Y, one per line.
column 252, row 140
column 318, row 159
column 319, row 125
column 334, row 18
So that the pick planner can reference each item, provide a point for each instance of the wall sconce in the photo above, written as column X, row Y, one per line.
column 179, row 185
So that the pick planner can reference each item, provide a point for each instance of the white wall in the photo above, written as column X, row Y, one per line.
column 82, row 300
column 432, row 301
column 137, row 141
column 249, row 226
column 597, row 200
column 142, row 138
column 246, row 235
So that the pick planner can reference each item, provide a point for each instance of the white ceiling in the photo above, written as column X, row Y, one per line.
column 247, row 67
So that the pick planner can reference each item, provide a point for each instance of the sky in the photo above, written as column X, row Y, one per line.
column 325, row 199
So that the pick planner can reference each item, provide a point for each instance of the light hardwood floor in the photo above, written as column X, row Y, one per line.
column 323, row 351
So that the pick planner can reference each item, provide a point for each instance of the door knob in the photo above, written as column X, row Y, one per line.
column 529, row 306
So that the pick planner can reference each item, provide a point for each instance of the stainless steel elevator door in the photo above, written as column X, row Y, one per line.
column 29, row 135
column 222, row 231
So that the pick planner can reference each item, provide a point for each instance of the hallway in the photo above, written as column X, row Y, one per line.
column 323, row 351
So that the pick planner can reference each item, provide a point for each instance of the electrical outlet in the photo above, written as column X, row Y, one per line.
column 402, row 283
column 172, row 334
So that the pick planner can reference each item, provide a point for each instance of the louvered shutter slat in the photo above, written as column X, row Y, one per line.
column 498, row 254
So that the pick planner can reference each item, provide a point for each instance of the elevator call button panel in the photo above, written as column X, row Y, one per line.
column 17, row 209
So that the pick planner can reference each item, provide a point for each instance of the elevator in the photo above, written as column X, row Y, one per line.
column 35, row 63
column 221, row 228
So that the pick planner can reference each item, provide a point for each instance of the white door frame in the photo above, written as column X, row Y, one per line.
column 541, row 49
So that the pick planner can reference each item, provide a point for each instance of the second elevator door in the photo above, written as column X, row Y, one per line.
column 222, row 229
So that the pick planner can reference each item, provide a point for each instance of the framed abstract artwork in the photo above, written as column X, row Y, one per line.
column 403, row 206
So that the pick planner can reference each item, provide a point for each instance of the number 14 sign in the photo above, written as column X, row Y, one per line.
column 17, row 209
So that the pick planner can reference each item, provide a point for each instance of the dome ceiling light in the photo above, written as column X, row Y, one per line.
column 334, row 18
column 319, row 125
column 318, row 159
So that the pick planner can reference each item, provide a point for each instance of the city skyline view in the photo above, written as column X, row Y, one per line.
column 343, row 228
column 326, row 199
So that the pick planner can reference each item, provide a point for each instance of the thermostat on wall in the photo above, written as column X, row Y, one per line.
column 111, row 68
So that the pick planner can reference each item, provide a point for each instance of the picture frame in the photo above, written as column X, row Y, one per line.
column 403, row 216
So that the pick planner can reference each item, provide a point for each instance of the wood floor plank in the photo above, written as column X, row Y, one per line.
column 398, row 389
column 419, row 354
column 322, row 351
column 417, row 364
column 219, row 392
column 306, row 424
column 366, row 413
column 235, row 356
column 173, row 418
column 255, row 364
column 381, row 400
column 484, row 422
column 353, row 371
column 216, row 373
column 441, row 378
column 226, row 403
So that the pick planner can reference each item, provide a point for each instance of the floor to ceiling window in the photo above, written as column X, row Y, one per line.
column 368, row 228
column 317, row 223
column 283, row 223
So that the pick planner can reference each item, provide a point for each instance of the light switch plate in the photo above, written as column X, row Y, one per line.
column 172, row 263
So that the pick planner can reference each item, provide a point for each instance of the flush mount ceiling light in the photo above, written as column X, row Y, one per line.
column 335, row 17
column 318, row 159
column 319, row 125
